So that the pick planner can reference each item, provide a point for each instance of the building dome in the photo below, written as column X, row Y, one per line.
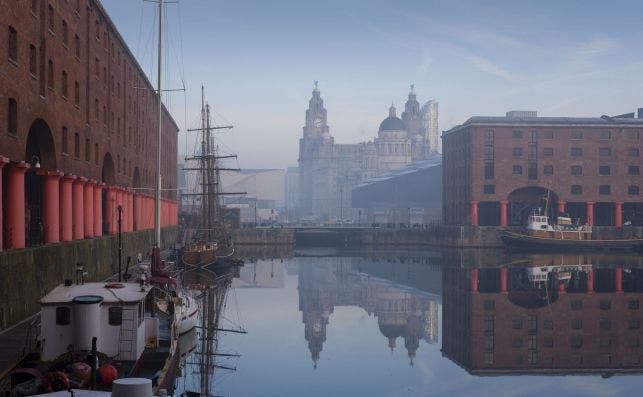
column 392, row 122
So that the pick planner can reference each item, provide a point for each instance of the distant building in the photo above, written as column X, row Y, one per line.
column 409, row 195
column 264, row 198
column 291, row 192
column 497, row 169
column 329, row 171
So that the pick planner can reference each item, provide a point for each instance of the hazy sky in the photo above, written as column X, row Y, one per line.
column 258, row 61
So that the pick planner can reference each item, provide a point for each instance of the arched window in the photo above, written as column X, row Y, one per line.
column 65, row 33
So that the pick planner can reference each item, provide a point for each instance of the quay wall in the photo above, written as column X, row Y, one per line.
column 264, row 236
column 30, row 273
column 453, row 236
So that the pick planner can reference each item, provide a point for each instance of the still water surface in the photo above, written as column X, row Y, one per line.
column 432, row 323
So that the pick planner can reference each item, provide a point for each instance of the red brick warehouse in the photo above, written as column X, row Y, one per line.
column 497, row 169
column 78, row 127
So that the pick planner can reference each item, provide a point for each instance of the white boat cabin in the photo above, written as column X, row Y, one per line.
column 72, row 314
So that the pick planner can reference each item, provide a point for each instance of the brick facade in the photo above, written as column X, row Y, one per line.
column 586, row 163
column 109, row 80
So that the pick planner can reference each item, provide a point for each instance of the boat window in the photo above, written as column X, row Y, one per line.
column 63, row 315
column 543, row 226
column 115, row 315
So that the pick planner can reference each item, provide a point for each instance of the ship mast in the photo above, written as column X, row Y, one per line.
column 157, row 192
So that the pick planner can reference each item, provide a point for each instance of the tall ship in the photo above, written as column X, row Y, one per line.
column 206, row 234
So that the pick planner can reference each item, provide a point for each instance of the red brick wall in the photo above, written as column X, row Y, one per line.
column 129, row 135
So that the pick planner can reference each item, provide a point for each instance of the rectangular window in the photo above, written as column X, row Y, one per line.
column 13, row 44
column 576, row 170
column 633, row 152
column 576, row 189
column 605, row 189
column 12, row 119
column 488, row 357
column 87, row 150
column 532, row 171
column 577, row 135
column 604, row 170
column 489, row 323
column 63, row 315
column 517, row 152
column 548, row 152
column 632, row 170
column 115, row 315
column 605, row 324
column 633, row 304
column 548, row 134
column 32, row 60
column 633, row 190
column 489, row 304
column 605, row 304
column 532, row 357
column 548, row 341
column 516, row 323
column 516, row 170
column 516, row 134
column 577, row 341
column 532, row 322
column 633, row 134
column 577, row 323
column 576, row 304
column 548, row 323
column 96, row 153
column 489, row 171
column 489, row 189
column 488, row 342
column 604, row 152
column 605, row 135
column 532, row 342
column 605, row 342
column 516, row 342
column 548, row 170
column 576, row 152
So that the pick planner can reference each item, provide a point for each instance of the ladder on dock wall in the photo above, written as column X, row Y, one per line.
column 127, row 333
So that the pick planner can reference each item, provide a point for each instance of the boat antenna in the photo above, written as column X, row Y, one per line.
column 157, row 193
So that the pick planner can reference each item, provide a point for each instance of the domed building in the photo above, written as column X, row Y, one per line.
column 328, row 171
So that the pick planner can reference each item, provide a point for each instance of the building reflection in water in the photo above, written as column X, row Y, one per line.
column 549, row 315
column 407, row 311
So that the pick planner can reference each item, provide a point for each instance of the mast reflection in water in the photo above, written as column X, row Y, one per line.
column 448, row 323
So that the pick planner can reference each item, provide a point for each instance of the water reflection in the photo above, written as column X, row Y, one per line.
column 401, row 311
column 350, row 323
column 544, row 315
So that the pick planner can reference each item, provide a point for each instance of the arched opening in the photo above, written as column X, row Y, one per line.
column 40, row 153
column 107, row 176
column 524, row 200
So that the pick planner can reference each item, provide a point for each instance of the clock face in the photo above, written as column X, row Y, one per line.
column 317, row 122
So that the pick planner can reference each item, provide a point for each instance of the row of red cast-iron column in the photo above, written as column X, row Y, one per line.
column 618, row 281
column 72, row 208
column 618, row 212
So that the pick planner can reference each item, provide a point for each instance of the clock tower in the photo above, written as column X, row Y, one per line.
column 316, row 165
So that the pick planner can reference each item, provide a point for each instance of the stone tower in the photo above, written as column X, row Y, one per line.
column 316, row 171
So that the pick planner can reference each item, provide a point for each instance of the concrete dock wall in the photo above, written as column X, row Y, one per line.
column 28, row 274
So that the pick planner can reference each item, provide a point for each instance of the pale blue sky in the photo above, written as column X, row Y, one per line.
column 258, row 60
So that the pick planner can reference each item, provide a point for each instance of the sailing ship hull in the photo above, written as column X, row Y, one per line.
column 522, row 241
